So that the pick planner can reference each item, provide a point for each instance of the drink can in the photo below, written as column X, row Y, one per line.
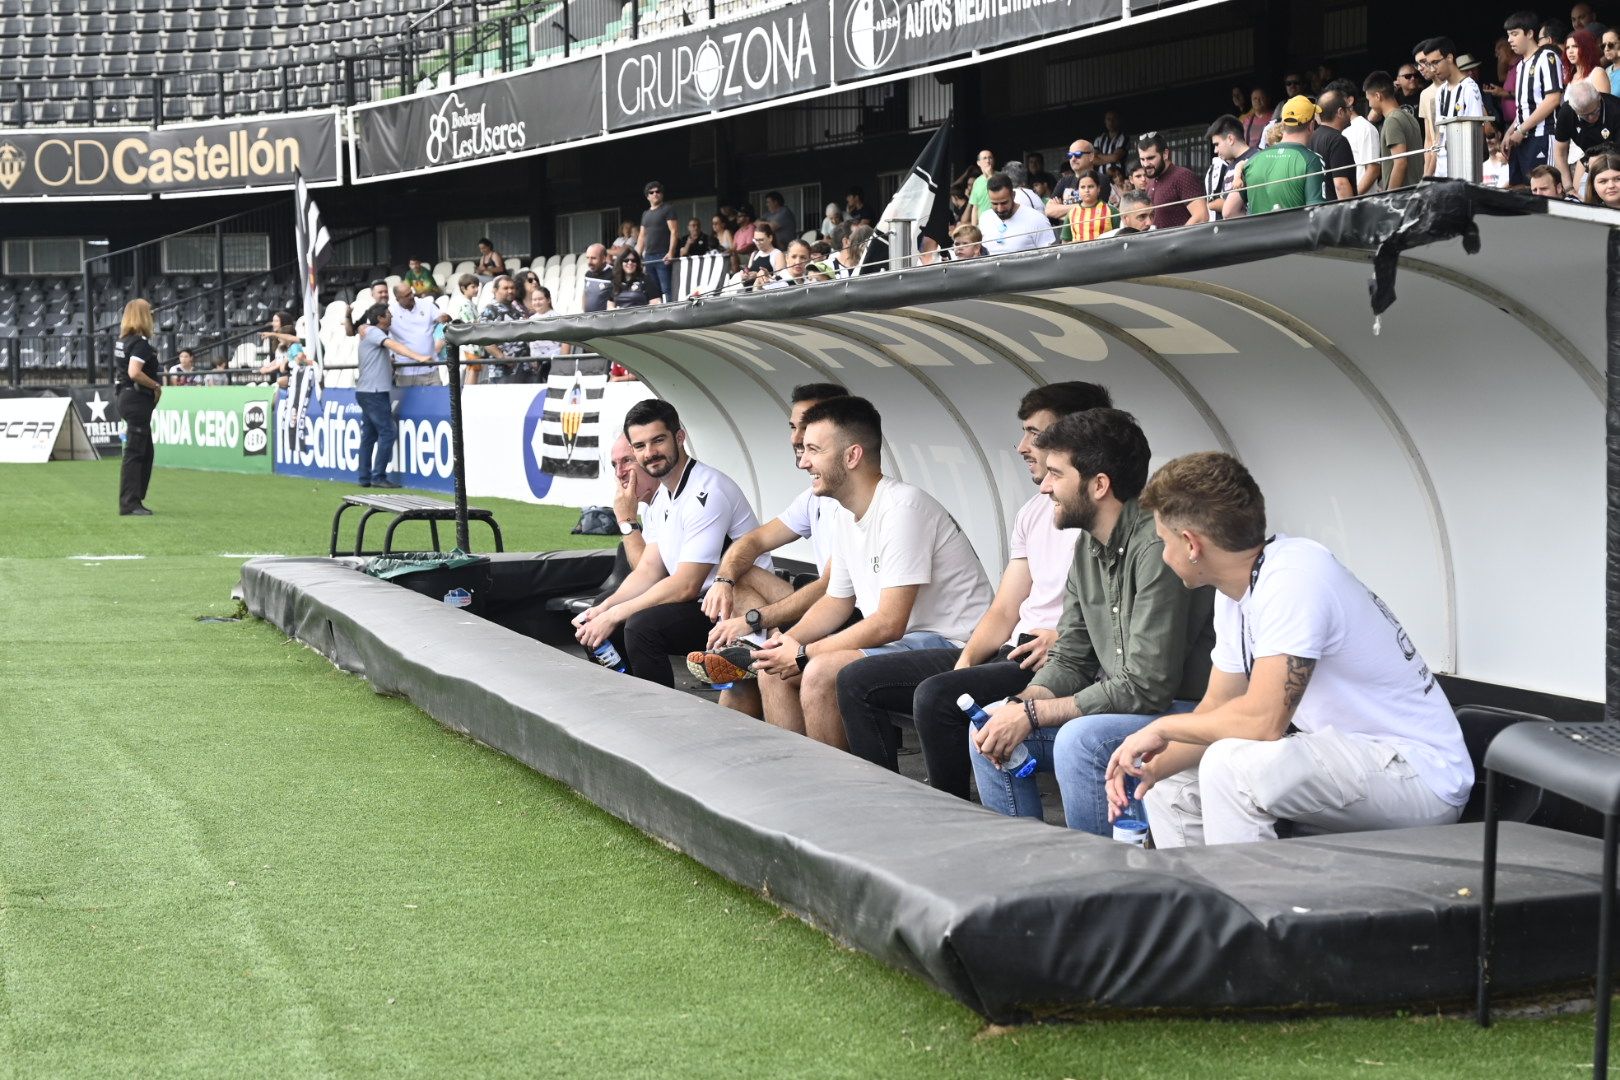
column 607, row 655
column 1131, row 831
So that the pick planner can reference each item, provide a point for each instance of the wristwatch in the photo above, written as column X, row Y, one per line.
column 753, row 618
column 628, row 527
column 802, row 658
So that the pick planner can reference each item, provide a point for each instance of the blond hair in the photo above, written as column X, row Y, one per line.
column 137, row 319
column 1212, row 494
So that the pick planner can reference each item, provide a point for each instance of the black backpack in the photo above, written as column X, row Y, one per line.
column 597, row 521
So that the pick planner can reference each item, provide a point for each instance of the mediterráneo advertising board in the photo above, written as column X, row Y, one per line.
column 224, row 428
column 326, row 444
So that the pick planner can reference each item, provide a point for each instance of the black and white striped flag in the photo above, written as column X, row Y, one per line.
column 314, row 249
column 571, row 423
column 919, row 200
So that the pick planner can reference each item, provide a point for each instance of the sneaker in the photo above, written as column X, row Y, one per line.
column 139, row 511
column 726, row 665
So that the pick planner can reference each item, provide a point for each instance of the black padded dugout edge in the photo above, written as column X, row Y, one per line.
column 1013, row 918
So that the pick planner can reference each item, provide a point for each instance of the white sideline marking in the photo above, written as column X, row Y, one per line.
column 105, row 558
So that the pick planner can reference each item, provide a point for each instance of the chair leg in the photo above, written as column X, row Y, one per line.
column 1605, row 989
column 1487, row 905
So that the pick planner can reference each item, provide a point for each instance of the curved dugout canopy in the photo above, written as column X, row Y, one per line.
column 1449, row 450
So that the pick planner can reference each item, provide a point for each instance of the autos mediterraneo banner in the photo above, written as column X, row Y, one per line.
column 879, row 36
column 225, row 428
column 262, row 152
column 326, row 443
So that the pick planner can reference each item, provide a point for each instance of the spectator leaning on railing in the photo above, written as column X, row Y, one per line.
column 1174, row 189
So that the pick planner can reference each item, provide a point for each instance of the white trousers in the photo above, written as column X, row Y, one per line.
column 1327, row 780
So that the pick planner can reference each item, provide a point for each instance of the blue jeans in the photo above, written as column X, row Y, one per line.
column 663, row 274
column 1078, row 752
column 377, row 433
column 917, row 641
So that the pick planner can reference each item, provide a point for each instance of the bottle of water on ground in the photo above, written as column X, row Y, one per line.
column 1018, row 763
column 608, row 657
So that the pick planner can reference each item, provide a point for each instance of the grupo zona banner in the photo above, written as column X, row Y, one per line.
column 76, row 163
column 225, row 428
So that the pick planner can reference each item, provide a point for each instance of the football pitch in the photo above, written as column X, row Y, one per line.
column 221, row 856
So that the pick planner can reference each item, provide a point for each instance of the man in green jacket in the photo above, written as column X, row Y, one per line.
column 1286, row 176
column 1133, row 643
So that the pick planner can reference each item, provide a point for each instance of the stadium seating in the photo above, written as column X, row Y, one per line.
column 60, row 65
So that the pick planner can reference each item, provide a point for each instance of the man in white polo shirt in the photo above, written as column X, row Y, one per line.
column 897, row 556
column 1007, row 647
column 413, row 323
column 695, row 514
column 746, row 599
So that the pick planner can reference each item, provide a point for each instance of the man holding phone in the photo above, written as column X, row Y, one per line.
column 1009, row 644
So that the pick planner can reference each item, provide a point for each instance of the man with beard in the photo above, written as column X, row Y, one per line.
column 1132, row 644
column 1007, row 648
column 896, row 555
column 695, row 513
column 1175, row 189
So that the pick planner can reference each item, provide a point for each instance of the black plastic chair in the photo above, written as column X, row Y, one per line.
column 1580, row 762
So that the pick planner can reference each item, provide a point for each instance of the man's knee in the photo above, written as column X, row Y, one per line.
column 1225, row 764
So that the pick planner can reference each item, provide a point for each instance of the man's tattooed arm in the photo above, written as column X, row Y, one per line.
column 1299, row 677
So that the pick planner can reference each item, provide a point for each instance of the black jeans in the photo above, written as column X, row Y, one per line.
column 648, row 638
column 925, row 685
column 135, row 406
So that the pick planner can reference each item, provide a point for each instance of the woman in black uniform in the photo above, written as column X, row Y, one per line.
column 139, row 382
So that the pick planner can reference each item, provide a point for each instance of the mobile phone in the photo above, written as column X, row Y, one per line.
column 1024, row 639
column 756, row 639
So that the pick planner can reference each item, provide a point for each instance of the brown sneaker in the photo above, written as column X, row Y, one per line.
column 726, row 665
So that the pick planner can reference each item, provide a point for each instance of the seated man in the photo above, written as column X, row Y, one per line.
column 1007, row 647
column 1132, row 643
column 746, row 599
column 1299, row 640
column 695, row 513
column 896, row 555
column 634, row 490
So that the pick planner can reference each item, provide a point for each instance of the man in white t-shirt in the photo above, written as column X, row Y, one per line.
column 1299, row 640
column 414, row 321
column 1007, row 647
column 896, row 556
column 695, row 513
column 1456, row 94
column 1010, row 225
column 746, row 599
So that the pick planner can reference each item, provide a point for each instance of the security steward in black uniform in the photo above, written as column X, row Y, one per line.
column 139, row 383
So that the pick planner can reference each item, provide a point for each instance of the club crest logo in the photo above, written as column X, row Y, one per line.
column 12, row 163
column 872, row 32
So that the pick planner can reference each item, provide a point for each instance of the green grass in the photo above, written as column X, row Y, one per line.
column 220, row 856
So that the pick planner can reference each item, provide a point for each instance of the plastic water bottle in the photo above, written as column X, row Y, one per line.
column 1018, row 763
column 608, row 657
column 1131, row 827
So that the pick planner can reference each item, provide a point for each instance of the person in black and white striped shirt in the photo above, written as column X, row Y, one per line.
column 1113, row 144
column 1540, row 92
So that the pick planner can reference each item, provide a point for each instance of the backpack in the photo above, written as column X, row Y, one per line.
column 597, row 521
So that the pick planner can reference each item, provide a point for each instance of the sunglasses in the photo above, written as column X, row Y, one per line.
column 1079, row 154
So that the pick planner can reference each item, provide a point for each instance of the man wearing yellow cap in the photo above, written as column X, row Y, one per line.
column 1287, row 175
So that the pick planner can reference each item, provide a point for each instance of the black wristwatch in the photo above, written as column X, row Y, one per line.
column 802, row 658
column 753, row 618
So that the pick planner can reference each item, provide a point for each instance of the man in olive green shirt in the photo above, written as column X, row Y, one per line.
column 1133, row 642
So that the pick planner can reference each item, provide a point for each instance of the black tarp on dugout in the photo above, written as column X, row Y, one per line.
column 1012, row 918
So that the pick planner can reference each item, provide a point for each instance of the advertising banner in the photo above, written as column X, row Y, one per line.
column 538, row 444
column 37, row 429
column 503, row 116
column 328, row 447
column 224, row 428
column 262, row 152
column 785, row 51
column 875, row 37
column 97, row 409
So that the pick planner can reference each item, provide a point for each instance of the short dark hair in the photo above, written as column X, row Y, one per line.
column 1063, row 398
column 374, row 314
column 465, row 280
column 1528, row 21
column 1343, row 87
column 1442, row 45
column 855, row 417
column 777, row 195
column 998, row 182
column 1212, row 493
column 1151, row 141
column 1330, row 102
column 1557, row 29
column 380, row 281
column 482, row 240
column 1103, row 441
column 855, row 191
column 652, row 411
column 817, row 391
column 1547, row 172
column 1378, row 82
column 1225, row 125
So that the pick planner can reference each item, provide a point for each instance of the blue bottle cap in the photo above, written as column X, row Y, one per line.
column 1130, row 830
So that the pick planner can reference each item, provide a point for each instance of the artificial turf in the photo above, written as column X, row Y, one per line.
column 220, row 856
